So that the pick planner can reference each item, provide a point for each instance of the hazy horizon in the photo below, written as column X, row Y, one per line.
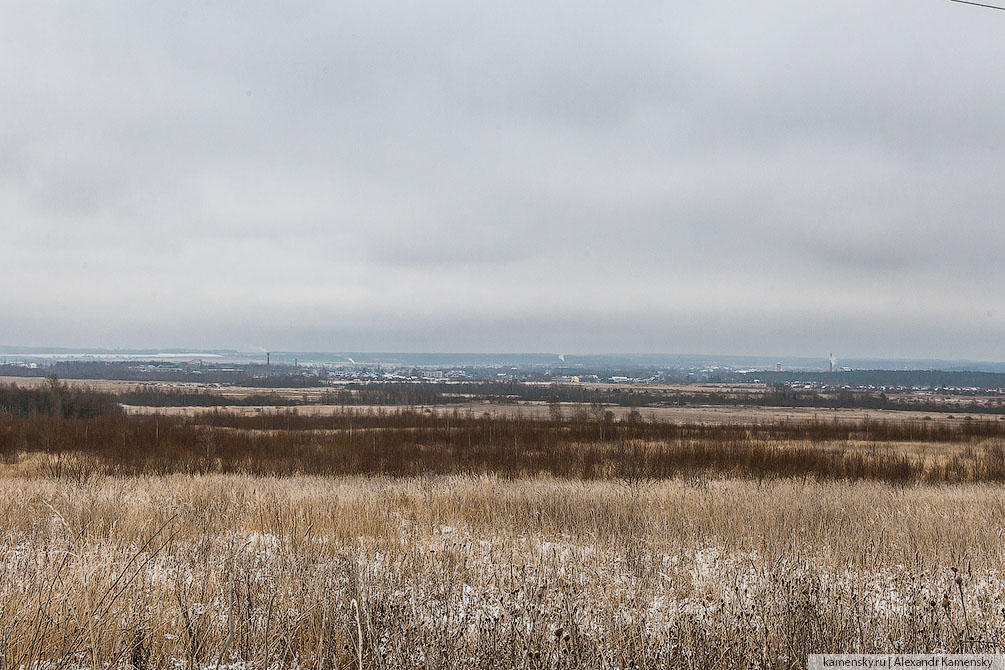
column 750, row 178
column 686, row 360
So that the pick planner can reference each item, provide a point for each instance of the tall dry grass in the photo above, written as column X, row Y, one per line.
column 446, row 572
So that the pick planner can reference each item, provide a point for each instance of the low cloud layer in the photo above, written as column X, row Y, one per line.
column 751, row 178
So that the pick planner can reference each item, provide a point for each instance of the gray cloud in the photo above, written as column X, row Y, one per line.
column 786, row 177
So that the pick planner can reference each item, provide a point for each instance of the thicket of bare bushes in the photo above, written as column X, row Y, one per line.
column 409, row 443
column 57, row 399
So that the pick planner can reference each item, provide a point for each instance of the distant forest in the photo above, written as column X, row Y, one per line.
column 888, row 378
column 261, row 376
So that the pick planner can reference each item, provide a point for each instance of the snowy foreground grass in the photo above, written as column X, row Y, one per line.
column 244, row 572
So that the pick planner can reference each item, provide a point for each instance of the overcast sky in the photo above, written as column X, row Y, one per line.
column 784, row 177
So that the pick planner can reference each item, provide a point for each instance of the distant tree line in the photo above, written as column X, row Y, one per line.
column 907, row 378
column 275, row 376
column 391, row 394
column 432, row 393
column 120, row 370
column 351, row 394
column 162, row 397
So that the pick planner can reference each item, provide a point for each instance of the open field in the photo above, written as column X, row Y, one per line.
column 714, row 413
column 457, row 537
column 319, row 400
column 469, row 571
column 708, row 414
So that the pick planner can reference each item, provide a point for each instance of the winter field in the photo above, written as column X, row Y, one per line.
column 405, row 539
column 478, row 571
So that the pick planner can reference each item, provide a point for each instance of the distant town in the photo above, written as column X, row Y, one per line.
column 443, row 378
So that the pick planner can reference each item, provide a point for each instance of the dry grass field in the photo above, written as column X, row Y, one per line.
column 468, row 571
column 404, row 538
column 706, row 414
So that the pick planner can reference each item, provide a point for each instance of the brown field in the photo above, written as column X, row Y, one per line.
column 487, row 536
column 181, row 571
column 712, row 414
column 707, row 414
